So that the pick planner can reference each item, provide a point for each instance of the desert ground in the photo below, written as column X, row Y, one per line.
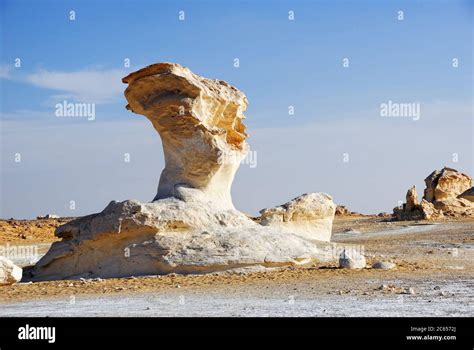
column 433, row 277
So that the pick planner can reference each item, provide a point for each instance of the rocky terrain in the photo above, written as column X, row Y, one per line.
column 192, row 225
column 434, row 259
column 448, row 192
column 190, row 241
column 30, row 231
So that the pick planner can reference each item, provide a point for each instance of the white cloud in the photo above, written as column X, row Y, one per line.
column 93, row 86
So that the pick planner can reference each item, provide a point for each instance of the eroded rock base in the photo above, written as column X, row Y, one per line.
column 182, row 235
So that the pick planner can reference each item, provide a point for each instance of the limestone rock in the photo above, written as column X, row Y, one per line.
column 455, row 207
column 429, row 211
column 446, row 194
column 170, row 235
column 9, row 272
column 430, row 182
column 341, row 210
column 445, row 189
column 351, row 259
column 309, row 216
column 417, row 211
column 411, row 210
column 192, row 225
column 468, row 194
column 200, row 124
column 384, row 265
column 411, row 199
column 445, row 184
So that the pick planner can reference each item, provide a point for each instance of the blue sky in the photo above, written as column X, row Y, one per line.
column 282, row 63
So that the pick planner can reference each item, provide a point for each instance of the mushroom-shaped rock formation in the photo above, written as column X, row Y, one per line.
column 191, row 226
column 200, row 124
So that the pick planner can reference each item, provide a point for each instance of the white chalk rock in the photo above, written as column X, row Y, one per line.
column 352, row 259
column 200, row 124
column 192, row 225
column 171, row 235
column 9, row 272
column 309, row 216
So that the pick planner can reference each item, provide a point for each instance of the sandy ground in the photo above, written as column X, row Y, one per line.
column 29, row 231
column 434, row 277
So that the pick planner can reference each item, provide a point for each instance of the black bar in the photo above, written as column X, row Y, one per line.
column 369, row 332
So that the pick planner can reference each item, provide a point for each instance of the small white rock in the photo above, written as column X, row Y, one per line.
column 351, row 259
column 9, row 272
column 384, row 265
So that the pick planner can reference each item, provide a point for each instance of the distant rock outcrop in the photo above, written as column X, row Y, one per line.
column 411, row 200
column 342, row 211
column 446, row 184
column 191, row 226
column 445, row 189
column 413, row 210
column 446, row 194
